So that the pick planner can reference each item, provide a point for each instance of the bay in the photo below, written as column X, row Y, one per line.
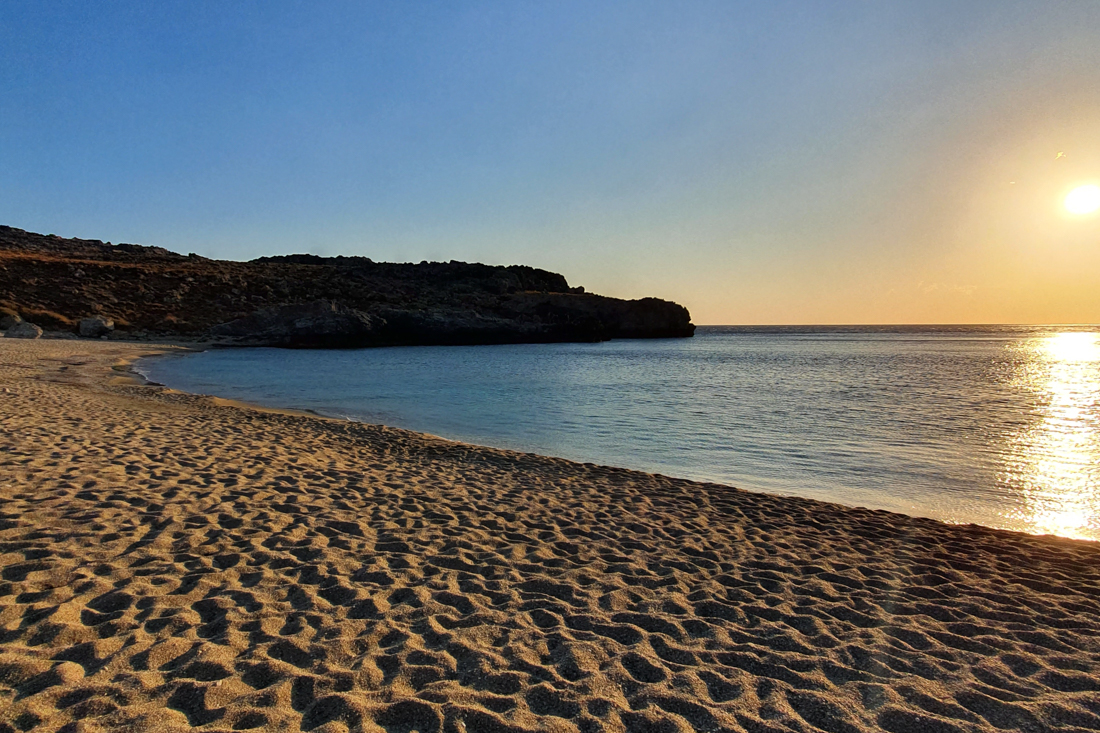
column 995, row 425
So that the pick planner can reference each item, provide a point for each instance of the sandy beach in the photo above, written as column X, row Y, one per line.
column 172, row 561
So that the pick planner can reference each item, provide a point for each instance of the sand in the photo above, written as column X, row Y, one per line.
column 170, row 561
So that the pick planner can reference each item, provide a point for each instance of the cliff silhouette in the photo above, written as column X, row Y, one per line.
column 306, row 300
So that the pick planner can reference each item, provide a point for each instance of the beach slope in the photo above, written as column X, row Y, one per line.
column 170, row 561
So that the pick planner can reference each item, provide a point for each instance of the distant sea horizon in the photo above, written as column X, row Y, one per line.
column 902, row 326
column 997, row 425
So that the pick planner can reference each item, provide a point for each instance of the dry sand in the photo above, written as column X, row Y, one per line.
column 169, row 561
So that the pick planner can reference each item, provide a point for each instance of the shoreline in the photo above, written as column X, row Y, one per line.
column 994, row 514
column 247, row 405
column 171, row 561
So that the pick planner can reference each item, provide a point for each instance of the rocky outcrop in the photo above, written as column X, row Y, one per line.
column 23, row 330
column 8, row 320
column 610, row 317
column 533, row 319
column 147, row 291
column 320, row 324
column 325, row 324
column 95, row 326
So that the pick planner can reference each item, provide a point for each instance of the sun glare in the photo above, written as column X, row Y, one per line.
column 1083, row 199
column 1053, row 460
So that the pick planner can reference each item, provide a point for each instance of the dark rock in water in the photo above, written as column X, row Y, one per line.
column 320, row 324
column 95, row 326
column 8, row 321
column 23, row 330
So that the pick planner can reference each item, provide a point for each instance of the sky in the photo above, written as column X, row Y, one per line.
column 762, row 162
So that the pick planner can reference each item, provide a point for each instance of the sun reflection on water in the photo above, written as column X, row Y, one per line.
column 1054, row 463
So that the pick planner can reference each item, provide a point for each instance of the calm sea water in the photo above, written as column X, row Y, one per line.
column 993, row 425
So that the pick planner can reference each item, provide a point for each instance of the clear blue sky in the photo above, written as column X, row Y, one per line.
column 764, row 162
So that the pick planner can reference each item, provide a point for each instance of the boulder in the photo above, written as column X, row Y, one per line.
column 9, row 320
column 23, row 330
column 95, row 326
column 321, row 324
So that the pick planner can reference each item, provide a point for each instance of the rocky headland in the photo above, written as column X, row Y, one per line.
column 97, row 289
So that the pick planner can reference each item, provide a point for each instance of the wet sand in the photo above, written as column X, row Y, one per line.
column 170, row 561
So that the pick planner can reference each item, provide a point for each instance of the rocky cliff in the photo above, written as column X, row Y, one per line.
column 308, row 301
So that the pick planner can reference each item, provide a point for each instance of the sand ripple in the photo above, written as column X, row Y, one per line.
column 167, row 562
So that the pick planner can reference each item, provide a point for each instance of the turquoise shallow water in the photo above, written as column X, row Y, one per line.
column 993, row 425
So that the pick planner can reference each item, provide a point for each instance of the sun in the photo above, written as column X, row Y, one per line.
column 1083, row 199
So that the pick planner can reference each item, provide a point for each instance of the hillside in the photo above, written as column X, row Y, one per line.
column 305, row 300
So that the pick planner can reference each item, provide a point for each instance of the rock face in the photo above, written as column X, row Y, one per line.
column 8, row 320
column 325, row 324
column 320, row 324
column 150, row 291
column 95, row 326
column 23, row 330
column 608, row 317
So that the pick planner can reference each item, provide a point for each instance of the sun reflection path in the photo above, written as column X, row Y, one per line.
column 1054, row 464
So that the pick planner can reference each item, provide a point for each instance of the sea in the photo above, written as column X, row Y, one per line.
column 992, row 425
